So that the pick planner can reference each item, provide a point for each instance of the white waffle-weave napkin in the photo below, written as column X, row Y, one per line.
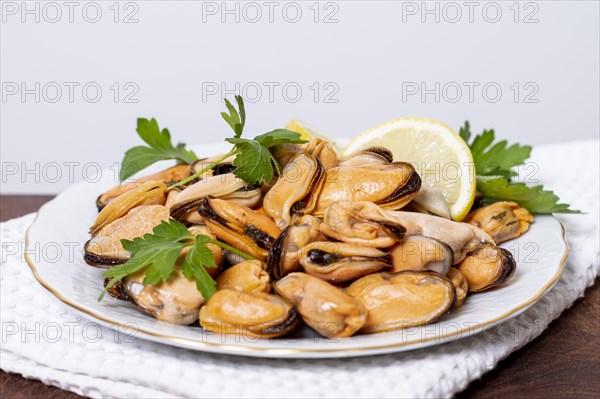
column 43, row 339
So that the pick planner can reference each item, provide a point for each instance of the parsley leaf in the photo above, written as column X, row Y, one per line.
column 235, row 119
column 253, row 160
column 496, row 159
column 195, row 263
column 159, row 148
column 494, row 165
column 157, row 253
column 279, row 136
column 535, row 198
column 465, row 132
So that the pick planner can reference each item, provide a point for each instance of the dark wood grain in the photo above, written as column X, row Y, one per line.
column 563, row 362
column 12, row 206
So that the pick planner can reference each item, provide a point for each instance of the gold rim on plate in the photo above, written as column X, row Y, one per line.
column 285, row 351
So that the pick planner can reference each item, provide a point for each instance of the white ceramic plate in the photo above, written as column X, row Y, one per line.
column 54, row 252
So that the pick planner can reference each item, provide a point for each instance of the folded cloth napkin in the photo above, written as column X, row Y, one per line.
column 44, row 339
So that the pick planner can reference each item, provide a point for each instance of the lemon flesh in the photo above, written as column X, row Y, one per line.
column 441, row 157
column 308, row 132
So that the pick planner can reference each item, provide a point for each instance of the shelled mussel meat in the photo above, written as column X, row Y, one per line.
column 487, row 267
column 239, row 226
column 402, row 299
column 325, row 308
column 105, row 249
column 248, row 314
column 337, row 262
column 361, row 223
column 284, row 256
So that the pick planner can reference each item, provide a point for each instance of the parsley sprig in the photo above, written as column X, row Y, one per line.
column 254, row 162
column 253, row 159
column 159, row 148
column 156, row 254
column 494, row 163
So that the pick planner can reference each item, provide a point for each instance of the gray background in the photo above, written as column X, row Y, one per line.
column 356, row 64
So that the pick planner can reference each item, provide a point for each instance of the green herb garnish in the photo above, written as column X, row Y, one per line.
column 253, row 159
column 494, row 165
column 157, row 253
column 159, row 148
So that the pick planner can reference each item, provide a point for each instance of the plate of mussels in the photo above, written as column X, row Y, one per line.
column 293, row 245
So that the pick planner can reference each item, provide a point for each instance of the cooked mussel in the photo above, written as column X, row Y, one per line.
column 367, row 156
column 391, row 186
column 176, row 300
column 284, row 152
column 245, row 229
column 149, row 193
column 167, row 176
column 361, row 223
column 296, row 190
column 421, row 253
column 402, row 299
column 284, row 256
column 323, row 151
column 246, row 276
column 105, row 249
column 487, row 267
column 460, row 284
column 458, row 236
column 502, row 220
column 325, row 308
column 249, row 314
column 224, row 186
column 337, row 262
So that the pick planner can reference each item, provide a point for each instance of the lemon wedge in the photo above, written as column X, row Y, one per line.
column 441, row 157
column 309, row 132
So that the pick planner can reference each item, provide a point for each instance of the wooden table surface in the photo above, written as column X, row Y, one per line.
column 563, row 362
